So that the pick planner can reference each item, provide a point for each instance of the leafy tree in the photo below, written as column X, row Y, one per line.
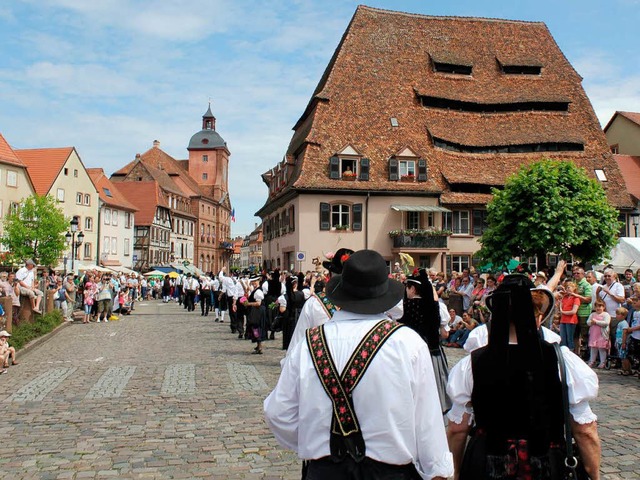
column 549, row 207
column 36, row 231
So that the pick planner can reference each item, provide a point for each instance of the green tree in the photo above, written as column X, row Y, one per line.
column 36, row 231
column 549, row 207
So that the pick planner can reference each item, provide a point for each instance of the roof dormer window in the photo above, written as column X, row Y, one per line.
column 452, row 68
column 600, row 175
column 521, row 69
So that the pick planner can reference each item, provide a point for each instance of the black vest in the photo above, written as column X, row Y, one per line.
column 511, row 403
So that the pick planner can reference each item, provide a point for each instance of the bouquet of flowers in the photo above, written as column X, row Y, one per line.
column 243, row 300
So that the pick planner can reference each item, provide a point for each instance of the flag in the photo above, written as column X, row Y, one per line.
column 233, row 215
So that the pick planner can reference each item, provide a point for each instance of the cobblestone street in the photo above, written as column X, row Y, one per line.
column 169, row 394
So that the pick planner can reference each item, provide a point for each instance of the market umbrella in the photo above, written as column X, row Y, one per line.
column 173, row 274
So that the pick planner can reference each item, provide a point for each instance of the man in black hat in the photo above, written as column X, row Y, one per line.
column 350, row 417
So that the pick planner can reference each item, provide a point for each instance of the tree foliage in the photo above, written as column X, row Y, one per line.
column 36, row 231
column 549, row 207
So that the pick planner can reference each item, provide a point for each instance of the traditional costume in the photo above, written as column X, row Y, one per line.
column 422, row 313
column 356, row 399
column 513, row 392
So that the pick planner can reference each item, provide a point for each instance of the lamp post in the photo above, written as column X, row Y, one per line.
column 635, row 220
column 71, row 239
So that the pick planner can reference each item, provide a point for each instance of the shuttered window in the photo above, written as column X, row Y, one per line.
column 422, row 170
column 479, row 221
column 357, row 217
column 364, row 169
column 325, row 216
column 334, row 168
column 393, row 169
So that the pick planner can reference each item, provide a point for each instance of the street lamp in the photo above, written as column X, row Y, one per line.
column 71, row 239
column 635, row 220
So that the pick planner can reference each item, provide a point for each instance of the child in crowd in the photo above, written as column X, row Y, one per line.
column 124, row 302
column 598, row 323
column 6, row 352
column 621, row 340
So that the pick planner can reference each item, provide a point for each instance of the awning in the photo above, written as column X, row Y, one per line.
column 419, row 208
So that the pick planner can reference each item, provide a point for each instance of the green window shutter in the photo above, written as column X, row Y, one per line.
column 477, row 222
column 422, row 170
column 325, row 216
column 334, row 168
column 357, row 217
column 393, row 169
column 364, row 169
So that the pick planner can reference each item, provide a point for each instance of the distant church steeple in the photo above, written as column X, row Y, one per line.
column 208, row 120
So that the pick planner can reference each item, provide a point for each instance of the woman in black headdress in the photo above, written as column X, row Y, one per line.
column 512, row 389
column 422, row 314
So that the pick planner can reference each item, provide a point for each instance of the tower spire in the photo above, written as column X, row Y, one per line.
column 208, row 120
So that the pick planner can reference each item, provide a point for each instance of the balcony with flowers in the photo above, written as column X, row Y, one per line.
column 420, row 238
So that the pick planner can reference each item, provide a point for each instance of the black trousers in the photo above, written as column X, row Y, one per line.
column 189, row 300
column 367, row 469
column 205, row 301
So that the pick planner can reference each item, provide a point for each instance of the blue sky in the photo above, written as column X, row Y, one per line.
column 111, row 76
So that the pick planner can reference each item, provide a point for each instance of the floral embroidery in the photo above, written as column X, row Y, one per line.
column 339, row 388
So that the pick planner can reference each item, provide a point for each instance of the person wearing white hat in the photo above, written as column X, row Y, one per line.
column 6, row 352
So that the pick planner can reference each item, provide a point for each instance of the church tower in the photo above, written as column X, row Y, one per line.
column 209, row 158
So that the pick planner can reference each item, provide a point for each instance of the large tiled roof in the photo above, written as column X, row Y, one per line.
column 44, row 165
column 7, row 155
column 146, row 196
column 109, row 193
column 383, row 68
column 630, row 168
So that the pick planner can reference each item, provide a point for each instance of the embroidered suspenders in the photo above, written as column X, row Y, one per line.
column 346, row 436
column 329, row 307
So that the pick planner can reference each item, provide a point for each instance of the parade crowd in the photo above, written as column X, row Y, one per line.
column 512, row 409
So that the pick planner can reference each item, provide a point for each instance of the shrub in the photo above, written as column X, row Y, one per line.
column 25, row 332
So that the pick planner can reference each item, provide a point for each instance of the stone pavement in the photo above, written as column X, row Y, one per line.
column 168, row 394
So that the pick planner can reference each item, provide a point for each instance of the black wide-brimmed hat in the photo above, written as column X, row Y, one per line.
column 364, row 285
column 335, row 265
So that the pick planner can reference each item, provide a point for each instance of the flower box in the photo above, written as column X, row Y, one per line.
column 349, row 178
column 408, row 178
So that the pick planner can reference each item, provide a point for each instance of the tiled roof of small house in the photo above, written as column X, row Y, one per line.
column 630, row 168
column 146, row 196
column 632, row 116
column 109, row 193
column 383, row 68
column 7, row 155
column 44, row 165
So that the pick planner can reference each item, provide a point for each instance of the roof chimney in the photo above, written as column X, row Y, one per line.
column 156, row 143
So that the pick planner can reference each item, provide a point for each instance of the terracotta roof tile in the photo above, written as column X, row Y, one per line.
column 7, row 155
column 44, row 165
column 630, row 168
column 381, row 66
column 461, row 198
column 145, row 196
column 104, row 185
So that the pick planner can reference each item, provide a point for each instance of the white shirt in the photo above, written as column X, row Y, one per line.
column 612, row 304
column 396, row 400
column 26, row 276
column 227, row 285
column 581, row 380
column 479, row 337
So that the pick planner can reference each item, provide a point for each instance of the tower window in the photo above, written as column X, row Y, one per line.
column 205, row 176
column 205, row 158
